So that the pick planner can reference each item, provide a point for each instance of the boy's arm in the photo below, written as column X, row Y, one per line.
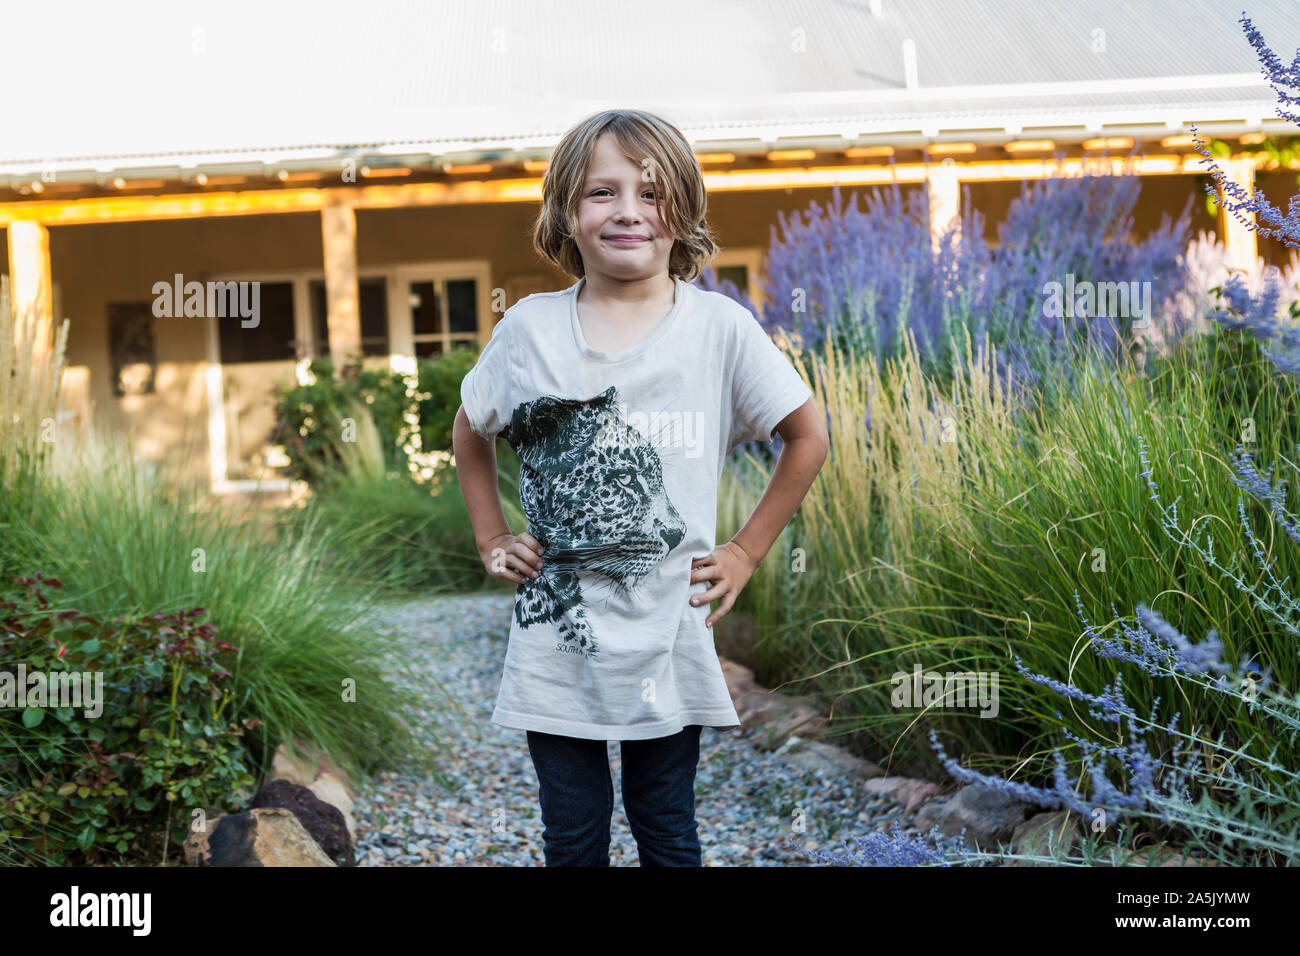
column 476, row 470
column 806, row 445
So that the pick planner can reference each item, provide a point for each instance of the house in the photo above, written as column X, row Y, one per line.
column 376, row 170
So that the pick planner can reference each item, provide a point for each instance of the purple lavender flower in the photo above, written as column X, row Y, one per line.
column 858, row 279
column 1160, row 650
column 893, row 846
column 1250, row 480
column 1235, row 199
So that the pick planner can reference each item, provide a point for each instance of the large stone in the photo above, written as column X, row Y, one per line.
column 989, row 817
column 329, row 787
column 777, row 717
column 832, row 760
column 305, row 766
column 268, row 836
column 196, row 845
column 915, row 793
column 324, row 821
column 907, row 792
column 740, row 680
column 887, row 785
column 736, row 638
column 1059, row 828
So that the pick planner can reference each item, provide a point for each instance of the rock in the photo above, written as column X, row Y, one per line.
column 268, row 836
column 886, row 785
column 907, row 792
column 1061, row 827
column 196, row 845
column 299, row 768
column 303, row 768
column 778, row 722
column 989, row 817
column 780, row 715
column 736, row 638
column 916, row 792
column 740, row 680
column 329, row 787
column 836, row 761
column 324, row 821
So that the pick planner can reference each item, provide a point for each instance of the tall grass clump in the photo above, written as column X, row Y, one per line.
column 953, row 534
column 392, row 536
column 1230, row 797
column 122, row 544
column 29, row 392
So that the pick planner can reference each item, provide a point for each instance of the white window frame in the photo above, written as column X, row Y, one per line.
column 403, row 274
column 401, row 339
column 752, row 258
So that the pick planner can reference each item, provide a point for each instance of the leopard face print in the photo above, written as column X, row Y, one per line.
column 592, row 488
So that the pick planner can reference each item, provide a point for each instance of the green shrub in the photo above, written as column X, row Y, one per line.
column 75, row 784
column 308, row 416
column 440, row 380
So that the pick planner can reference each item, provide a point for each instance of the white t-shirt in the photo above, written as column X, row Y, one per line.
column 621, row 454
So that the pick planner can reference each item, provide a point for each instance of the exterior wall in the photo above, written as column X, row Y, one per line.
column 95, row 265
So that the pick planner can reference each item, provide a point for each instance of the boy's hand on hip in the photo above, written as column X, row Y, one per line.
column 513, row 557
column 730, row 568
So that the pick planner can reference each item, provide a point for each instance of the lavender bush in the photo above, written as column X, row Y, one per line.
column 1200, row 306
column 1248, row 304
column 1286, row 227
column 860, row 279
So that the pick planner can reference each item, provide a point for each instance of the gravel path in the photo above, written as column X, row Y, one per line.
column 485, row 812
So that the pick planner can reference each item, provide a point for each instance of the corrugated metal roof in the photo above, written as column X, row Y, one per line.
column 182, row 86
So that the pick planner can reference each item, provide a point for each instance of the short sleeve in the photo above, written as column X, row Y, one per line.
column 765, row 386
column 485, row 389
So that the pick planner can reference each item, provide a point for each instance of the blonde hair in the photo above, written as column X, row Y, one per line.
column 650, row 142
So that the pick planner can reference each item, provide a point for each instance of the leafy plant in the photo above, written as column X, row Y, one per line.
column 310, row 417
column 78, row 786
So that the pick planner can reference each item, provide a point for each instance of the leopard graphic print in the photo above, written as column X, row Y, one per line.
column 592, row 488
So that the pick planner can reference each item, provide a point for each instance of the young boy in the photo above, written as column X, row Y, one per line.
column 622, row 396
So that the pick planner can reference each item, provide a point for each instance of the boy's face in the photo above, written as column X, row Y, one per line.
column 618, row 200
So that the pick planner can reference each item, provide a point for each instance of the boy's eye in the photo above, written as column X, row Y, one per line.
column 649, row 192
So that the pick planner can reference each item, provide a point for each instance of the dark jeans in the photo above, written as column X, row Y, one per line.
column 577, row 798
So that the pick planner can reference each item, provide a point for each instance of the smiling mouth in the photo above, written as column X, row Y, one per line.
column 627, row 240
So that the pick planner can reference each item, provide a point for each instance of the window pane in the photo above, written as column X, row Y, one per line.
column 462, row 306
column 427, row 349
column 374, row 315
column 737, row 274
column 271, row 339
column 316, row 293
column 425, row 316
